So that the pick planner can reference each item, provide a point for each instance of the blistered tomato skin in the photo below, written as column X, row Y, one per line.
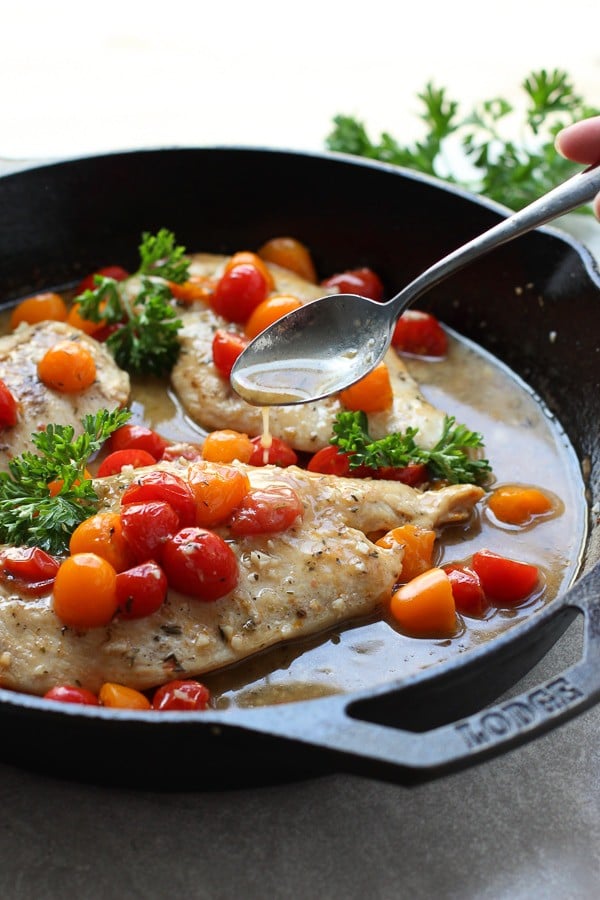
column 199, row 563
column 364, row 282
column 181, row 695
column 147, row 526
column 278, row 453
column 120, row 459
column 30, row 570
column 266, row 511
column 163, row 486
column 141, row 590
column 420, row 334
column 137, row 437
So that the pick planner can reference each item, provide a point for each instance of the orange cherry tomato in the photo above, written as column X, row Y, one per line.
column 118, row 696
column 424, row 606
column 291, row 254
column 246, row 256
column 373, row 393
column 40, row 308
column 217, row 490
column 102, row 534
column 516, row 504
column 8, row 407
column 85, row 591
column 57, row 484
column 67, row 367
column 196, row 288
column 225, row 446
column 418, row 544
column 226, row 347
column 269, row 311
column 75, row 319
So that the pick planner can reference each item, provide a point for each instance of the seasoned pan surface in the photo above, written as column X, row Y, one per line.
column 532, row 304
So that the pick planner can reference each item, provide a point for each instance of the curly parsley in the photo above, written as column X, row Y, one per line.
column 449, row 459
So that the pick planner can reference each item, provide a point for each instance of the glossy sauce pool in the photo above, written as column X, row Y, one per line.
column 524, row 445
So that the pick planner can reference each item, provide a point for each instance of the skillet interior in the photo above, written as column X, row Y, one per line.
column 60, row 221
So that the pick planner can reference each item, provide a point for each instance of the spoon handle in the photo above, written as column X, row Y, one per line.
column 577, row 190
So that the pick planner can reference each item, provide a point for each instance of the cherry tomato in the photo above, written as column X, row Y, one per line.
column 278, row 453
column 226, row 445
column 217, row 491
column 103, row 534
column 118, row 696
column 68, row 367
column 146, row 527
column 199, row 563
column 226, row 347
column 246, row 256
column 141, row 590
column 363, row 282
column 467, row 591
column 88, row 283
column 291, row 254
column 75, row 319
column 137, row 437
column 114, row 462
column 163, row 486
column 414, row 474
column 266, row 510
column 330, row 461
column 68, row 693
column 85, row 591
column 269, row 311
column 238, row 292
column 505, row 580
column 40, row 308
column 420, row 333
column 197, row 287
column 8, row 407
column 29, row 569
column 181, row 695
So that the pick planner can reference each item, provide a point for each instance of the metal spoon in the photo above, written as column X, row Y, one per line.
column 328, row 344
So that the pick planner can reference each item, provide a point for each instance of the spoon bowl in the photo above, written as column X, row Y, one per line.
column 330, row 343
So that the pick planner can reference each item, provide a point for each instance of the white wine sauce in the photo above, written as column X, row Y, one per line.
column 524, row 445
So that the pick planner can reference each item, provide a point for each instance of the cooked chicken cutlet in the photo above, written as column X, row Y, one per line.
column 210, row 401
column 321, row 572
column 20, row 353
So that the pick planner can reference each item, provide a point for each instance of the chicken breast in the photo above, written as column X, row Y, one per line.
column 323, row 571
column 20, row 353
column 209, row 400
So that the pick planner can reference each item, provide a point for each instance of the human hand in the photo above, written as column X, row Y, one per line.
column 581, row 143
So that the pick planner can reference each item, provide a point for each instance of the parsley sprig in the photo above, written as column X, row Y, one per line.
column 144, row 339
column 33, row 514
column 449, row 459
column 512, row 172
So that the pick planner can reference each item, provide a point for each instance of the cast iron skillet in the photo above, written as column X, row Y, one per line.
column 61, row 220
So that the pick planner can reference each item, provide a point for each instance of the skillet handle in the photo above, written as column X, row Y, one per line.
column 499, row 727
column 347, row 731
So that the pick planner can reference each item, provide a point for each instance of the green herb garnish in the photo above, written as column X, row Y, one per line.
column 511, row 172
column 29, row 513
column 448, row 459
column 144, row 340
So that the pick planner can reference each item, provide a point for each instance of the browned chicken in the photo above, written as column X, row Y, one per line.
column 323, row 571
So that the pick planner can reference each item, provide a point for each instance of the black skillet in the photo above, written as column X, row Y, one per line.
column 61, row 220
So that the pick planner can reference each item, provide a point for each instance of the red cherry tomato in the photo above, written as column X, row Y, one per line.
column 88, row 283
column 137, row 437
column 114, row 462
column 163, row 486
column 68, row 693
column 278, row 454
column 238, row 292
column 363, row 282
column 266, row 510
column 329, row 461
column 181, row 695
column 469, row 596
column 29, row 569
column 141, row 590
column 505, row 580
column 420, row 333
column 8, row 407
column 226, row 347
column 199, row 563
column 413, row 474
column 147, row 526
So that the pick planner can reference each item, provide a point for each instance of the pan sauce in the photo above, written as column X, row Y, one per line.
column 523, row 443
